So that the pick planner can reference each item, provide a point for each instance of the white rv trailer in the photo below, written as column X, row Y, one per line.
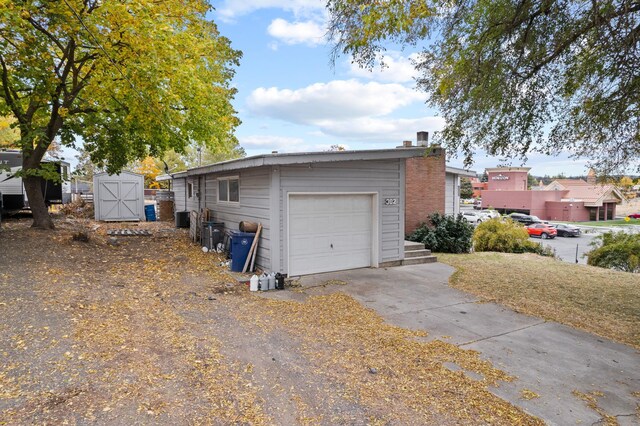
column 14, row 196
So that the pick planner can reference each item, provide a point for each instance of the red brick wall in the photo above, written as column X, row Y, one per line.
column 424, row 188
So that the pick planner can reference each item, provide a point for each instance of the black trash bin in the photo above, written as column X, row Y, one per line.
column 211, row 235
column 182, row 219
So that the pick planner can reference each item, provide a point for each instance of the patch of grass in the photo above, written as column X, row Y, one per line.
column 596, row 300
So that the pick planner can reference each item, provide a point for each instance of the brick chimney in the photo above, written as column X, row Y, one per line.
column 424, row 186
column 591, row 177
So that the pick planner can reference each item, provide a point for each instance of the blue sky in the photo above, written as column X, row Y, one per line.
column 290, row 98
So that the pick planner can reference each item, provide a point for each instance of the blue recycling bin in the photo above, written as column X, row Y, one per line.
column 150, row 212
column 240, row 246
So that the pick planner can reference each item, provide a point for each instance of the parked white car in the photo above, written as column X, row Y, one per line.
column 489, row 214
column 473, row 217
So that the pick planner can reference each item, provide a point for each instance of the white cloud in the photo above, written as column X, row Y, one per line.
column 348, row 109
column 385, row 130
column 306, row 32
column 231, row 9
column 397, row 68
column 338, row 99
column 268, row 143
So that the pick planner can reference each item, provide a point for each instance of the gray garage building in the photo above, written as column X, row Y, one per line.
column 320, row 212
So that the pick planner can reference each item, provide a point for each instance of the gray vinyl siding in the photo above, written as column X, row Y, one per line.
column 192, row 202
column 179, row 193
column 452, row 196
column 253, row 207
column 383, row 177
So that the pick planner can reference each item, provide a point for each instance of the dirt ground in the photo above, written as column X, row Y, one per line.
column 151, row 330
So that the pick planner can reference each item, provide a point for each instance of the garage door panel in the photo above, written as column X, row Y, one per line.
column 353, row 241
column 314, row 264
column 306, row 225
column 338, row 243
column 352, row 223
column 329, row 232
column 333, row 223
column 304, row 246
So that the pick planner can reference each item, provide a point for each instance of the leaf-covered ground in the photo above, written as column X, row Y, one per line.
column 153, row 331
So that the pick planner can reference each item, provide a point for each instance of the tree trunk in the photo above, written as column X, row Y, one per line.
column 41, row 218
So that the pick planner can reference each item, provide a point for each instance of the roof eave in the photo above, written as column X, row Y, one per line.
column 460, row 172
column 303, row 158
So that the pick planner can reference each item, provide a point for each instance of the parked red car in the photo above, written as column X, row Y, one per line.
column 541, row 230
column 634, row 216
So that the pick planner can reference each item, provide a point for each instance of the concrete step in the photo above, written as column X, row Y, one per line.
column 419, row 260
column 410, row 246
column 416, row 253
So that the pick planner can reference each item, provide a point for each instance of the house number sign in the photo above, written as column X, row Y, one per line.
column 390, row 201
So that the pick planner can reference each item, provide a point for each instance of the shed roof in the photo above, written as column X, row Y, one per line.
column 300, row 158
column 123, row 172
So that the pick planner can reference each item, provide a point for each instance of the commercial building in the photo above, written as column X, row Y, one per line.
column 571, row 200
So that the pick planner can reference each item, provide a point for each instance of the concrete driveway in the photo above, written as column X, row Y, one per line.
column 547, row 358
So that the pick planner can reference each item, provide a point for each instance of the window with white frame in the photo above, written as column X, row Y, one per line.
column 229, row 189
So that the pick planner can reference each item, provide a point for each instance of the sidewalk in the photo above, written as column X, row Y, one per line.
column 554, row 361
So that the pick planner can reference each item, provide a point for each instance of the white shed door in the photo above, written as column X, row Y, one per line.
column 119, row 200
column 329, row 233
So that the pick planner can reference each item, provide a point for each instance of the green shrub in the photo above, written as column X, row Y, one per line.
column 444, row 234
column 506, row 237
column 616, row 250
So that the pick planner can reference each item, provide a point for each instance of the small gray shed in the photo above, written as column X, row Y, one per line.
column 118, row 197
column 320, row 212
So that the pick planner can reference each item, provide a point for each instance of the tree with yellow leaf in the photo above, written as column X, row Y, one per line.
column 8, row 134
column 150, row 170
column 625, row 182
column 130, row 78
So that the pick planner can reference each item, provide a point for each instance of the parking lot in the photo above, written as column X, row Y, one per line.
column 565, row 247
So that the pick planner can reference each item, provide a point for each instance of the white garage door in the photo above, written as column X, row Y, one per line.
column 329, row 233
